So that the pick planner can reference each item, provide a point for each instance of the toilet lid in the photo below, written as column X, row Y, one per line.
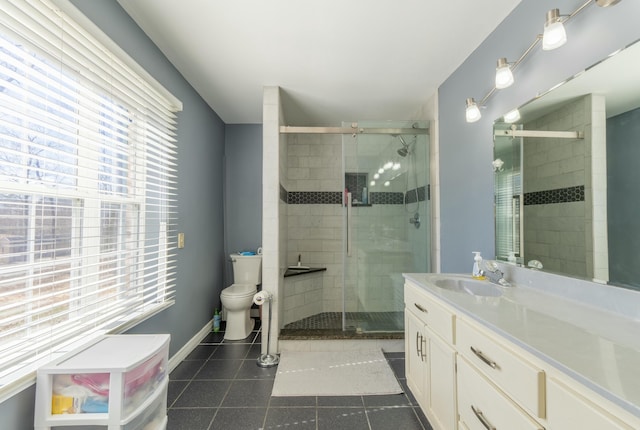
column 240, row 290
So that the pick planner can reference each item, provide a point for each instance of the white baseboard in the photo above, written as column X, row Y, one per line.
column 179, row 356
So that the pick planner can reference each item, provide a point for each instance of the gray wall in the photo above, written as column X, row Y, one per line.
column 466, row 149
column 623, row 198
column 243, row 190
column 201, row 136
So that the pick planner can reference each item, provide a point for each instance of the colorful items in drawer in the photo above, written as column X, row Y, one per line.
column 80, row 393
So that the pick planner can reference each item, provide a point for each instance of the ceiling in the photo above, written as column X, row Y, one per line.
column 335, row 60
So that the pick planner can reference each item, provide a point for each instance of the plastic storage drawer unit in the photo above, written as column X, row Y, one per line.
column 118, row 382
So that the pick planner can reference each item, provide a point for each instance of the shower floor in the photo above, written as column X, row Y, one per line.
column 328, row 325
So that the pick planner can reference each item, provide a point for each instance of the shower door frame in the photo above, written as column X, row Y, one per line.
column 354, row 129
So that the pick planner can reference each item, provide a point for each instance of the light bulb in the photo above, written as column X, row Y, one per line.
column 396, row 166
column 381, row 170
column 512, row 116
column 554, row 35
column 473, row 112
column 387, row 183
column 388, row 165
column 376, row 176
column 372, row 183
column 504, row 75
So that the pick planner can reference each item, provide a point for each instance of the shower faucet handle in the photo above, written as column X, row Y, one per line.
column 415, row 220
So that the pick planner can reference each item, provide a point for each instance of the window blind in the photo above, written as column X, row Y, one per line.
column 87, row 187
column 508, row 197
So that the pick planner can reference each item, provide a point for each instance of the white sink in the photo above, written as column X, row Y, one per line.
column 464, row 285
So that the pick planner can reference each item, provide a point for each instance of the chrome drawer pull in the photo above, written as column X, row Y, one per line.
column 421, row 308
column 418, row 344
column 484, row 358
column 482, row 418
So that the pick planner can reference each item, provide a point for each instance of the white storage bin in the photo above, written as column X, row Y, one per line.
column 118, row 382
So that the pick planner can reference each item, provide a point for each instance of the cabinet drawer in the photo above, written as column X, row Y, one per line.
column 517, row 377
column 482, row 407
column 435, row 316
column 568, row 409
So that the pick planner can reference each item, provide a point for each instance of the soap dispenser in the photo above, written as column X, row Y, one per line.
column 477, row 263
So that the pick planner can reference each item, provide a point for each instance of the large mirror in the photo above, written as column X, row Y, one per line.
column 567, row 176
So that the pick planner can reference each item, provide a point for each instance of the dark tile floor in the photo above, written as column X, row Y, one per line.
column 220, row 387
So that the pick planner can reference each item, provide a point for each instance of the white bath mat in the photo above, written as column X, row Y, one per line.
column 342, row 373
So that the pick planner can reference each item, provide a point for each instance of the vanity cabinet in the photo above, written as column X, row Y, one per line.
column 468, row 376
column 430, row 358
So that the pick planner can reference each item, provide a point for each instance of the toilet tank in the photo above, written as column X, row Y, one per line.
column 247, row 269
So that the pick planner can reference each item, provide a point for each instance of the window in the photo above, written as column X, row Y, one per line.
column 87, row 170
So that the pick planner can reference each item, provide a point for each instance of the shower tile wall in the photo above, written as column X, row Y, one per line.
column 314, row 164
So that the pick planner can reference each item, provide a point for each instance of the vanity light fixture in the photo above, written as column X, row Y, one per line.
column 607, row 3
column 504, row 75
column 554, row 36
column 473, row 111
column 512, row 116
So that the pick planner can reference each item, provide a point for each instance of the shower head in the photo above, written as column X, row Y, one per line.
column 404, row 151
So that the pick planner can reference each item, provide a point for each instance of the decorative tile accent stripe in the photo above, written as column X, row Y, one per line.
column 386, row 198
column 314, row 197
column 335, row 197
column 422, row 195
column 560, row 195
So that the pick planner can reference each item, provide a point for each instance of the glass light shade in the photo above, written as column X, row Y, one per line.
column 473, row 111
column 388, row 165
column 387, row 183
column 372, row 183
column 554, row 35
column 376, row 176
column 396, row 166
column 504, row 75
column 381, row 170
column 512, row 116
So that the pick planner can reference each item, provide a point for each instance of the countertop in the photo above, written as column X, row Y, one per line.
column 598, row 348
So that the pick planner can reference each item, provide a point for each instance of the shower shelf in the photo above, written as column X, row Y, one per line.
column 294, row 272
column 357, row 205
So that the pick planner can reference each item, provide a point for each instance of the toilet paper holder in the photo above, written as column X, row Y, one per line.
column 266, row 360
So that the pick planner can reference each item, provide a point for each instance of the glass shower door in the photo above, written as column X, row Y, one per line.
column 386, row 223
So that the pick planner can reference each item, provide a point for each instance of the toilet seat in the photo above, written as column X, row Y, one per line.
column 239, row 290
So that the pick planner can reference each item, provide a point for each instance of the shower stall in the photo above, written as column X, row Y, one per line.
column 364, row 236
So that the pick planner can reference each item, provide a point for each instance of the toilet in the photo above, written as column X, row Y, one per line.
column 238, row 297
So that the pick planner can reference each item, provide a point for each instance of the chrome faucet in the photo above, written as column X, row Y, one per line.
column 494, row 274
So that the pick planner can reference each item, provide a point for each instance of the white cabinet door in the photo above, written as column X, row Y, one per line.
column 415, row 356
column 441, row 383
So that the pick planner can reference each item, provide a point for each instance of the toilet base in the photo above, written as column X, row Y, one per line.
column 239, row 325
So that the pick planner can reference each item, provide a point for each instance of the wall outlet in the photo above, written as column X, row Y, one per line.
column 180, row 240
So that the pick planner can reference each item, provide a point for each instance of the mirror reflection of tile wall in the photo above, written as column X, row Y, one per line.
column 564, row 192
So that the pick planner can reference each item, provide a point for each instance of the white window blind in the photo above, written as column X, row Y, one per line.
column 87, row 178
column 508, row 197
